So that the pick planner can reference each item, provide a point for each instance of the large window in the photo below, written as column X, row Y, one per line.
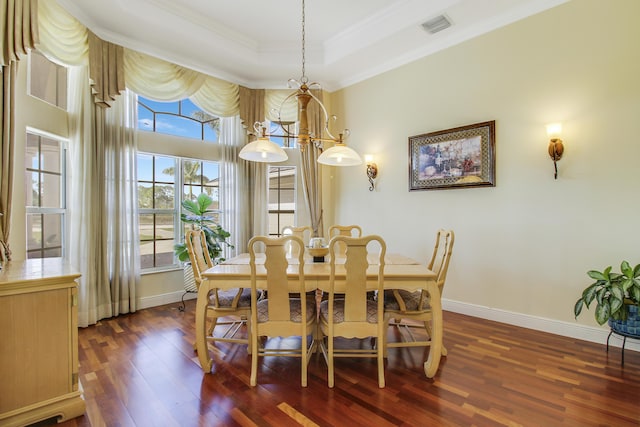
column 45, row 196
column 163, row 182
column 180, row 118
column 282, row 198
column 47, row 80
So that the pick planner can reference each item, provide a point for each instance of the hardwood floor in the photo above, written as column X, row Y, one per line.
column 141, row 370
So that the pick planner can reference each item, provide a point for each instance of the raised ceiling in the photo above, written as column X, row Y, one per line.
column 258, row 43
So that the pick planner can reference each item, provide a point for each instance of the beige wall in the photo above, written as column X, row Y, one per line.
column 525, row 245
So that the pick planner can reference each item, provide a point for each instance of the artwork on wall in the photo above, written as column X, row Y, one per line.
column 453, row 158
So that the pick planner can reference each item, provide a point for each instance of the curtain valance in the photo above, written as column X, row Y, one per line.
column 18, row 28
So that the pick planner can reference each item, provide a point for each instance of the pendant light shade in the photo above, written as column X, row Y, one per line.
column 263, row 150
column 340, row 155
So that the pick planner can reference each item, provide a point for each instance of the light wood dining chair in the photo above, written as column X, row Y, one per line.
column 233, row 304
column 344, row 230
column 402, row 305
column 303, row 232
column 348, row 312
column 285, row 312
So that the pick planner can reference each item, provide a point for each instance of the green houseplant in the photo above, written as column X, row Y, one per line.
column 199, row 218
column 617, row 295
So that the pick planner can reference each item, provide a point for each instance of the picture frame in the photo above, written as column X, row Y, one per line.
column 461, row 157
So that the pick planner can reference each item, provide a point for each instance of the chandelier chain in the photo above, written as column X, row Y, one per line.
column 303, row 79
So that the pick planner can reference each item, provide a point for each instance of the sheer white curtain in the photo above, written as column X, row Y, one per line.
column 84, row 204
column 103, row 228
column 233, row 179
column 121, row 201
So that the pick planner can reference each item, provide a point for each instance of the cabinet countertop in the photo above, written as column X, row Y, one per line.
column 35, row 272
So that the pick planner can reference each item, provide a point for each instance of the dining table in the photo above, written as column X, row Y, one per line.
column 400, row 272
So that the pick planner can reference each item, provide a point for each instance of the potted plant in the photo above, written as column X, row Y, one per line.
column 617, row 297
column 199, row 218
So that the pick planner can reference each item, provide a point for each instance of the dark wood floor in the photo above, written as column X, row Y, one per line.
column 141, row 370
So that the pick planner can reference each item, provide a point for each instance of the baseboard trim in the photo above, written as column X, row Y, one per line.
column 557, row 327
column 162, row 299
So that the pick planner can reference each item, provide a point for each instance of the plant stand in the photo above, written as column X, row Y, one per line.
column 190, row 286
column 624, row 341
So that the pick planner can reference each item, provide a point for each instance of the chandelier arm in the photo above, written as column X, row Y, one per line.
column 326, row 116
column 286, row 131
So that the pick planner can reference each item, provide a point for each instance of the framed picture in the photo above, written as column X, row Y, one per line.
column 453, row 158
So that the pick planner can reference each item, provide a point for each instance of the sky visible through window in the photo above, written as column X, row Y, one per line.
column 179, row 118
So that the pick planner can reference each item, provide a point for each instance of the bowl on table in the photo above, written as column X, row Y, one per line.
column 318, row 253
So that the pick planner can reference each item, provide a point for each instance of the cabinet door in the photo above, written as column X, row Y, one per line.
column 36, row 348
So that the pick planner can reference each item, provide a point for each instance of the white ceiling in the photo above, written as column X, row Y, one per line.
column 258, row 43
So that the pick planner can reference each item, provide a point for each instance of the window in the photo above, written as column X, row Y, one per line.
column 278, row 132
column 45, row 196
column 282, row 198
column 159, row 206
column 179, row 118
column 47, row 80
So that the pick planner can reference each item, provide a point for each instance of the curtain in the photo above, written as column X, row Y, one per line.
column 163, row 81
column 252, row 105
column 86, row 233
column 102, row 224
column 277, row 101
column 101, row 171
column 106, row 70
column 6, row 159
column 311, row 170
column 120, row 202
column 234, row 178
column 18, row 28
column 19, row 34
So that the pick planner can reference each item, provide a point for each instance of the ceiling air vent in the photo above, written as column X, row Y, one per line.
column 436, row 24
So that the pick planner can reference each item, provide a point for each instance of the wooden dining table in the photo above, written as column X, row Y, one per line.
column 400, row 272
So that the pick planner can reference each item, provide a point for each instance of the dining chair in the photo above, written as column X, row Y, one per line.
column 234, row 304
column 347, row 312
column 285, row 312
column 402, row 305
column 344, row 230
column 303, row 232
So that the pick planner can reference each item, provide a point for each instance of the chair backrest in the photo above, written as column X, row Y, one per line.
column 441, row 256
column 196, row 242
column 344, row 230
column 277, row 282
column 355, row 269
column 303, row 233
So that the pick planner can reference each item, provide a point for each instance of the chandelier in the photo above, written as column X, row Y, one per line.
column 267, row 151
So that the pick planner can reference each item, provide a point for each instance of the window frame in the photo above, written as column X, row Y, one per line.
column 279, row 212
column 178, row 225
column 63, row 145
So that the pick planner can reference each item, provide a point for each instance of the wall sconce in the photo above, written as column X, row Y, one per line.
column 555, row 145
column 372, row 170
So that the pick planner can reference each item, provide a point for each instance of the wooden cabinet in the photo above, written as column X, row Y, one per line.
column 39, row 342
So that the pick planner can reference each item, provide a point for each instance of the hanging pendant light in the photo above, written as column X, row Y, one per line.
column 265, row 150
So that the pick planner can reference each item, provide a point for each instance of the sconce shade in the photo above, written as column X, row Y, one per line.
column 339, row 155
column 554, row 130
column 263, row 150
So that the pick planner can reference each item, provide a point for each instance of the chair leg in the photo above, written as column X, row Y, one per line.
column 330, row 361
column 209, row 330
column 254, row 360
column 381, row 382
column 304, row 355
